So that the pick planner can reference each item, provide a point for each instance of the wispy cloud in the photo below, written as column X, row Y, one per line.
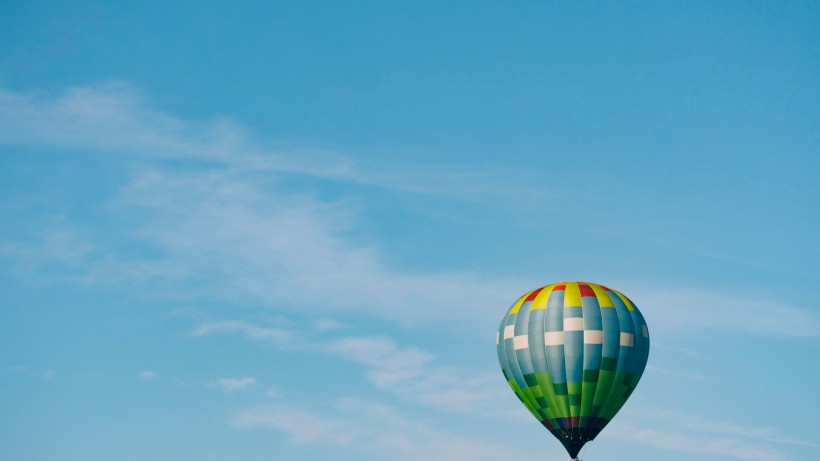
column 273, row 392
column 301, row 426
column 233, row 228
column 678, row 350
column 279, row 336
column 288, row 249
column 327, row 324
column 23, row 370
column 270, row 248
column 408, row 373
column 679, row 374
column 388, row 363
column 685, row 442
column 695, row 433
column 234, row 231
column 373, row 429
column 229, row 385
column 273, row 245
column 115, row 118
column 147, row 375
column 66, row 251
column 702, row 424
column 710, row 310
column 60, row 248
column 110, row 118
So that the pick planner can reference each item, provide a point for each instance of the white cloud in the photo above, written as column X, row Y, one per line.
column 303, row 427
column 25, row 371
column 273, row 392
column 678, row 374
column 406, row 372
column 680, row 441
column 695, row 433
column 114, row 118
column 110, row 118
column 60, row 246
column 276, row 248
column 374, row 430
column 670, row 309
column 701, row 424
column 388, row 363
column 147, row 375
column 66, row 251
column 271, row 246
column 327, row 324
column 229, row 385
column 278, row 336
column 678, row 350
column 237, row 233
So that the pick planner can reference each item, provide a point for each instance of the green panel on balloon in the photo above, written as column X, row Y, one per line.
column 532, row 338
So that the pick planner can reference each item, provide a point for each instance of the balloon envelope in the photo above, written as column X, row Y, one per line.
column 573, row 352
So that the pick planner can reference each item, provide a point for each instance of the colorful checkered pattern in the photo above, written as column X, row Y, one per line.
column 573, row 352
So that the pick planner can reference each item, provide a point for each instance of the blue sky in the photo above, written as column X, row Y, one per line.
column 288, row 231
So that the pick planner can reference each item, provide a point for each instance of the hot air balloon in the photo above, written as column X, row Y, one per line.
column 573, row 352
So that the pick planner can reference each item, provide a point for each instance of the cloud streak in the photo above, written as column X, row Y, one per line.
column 406, row 372
column 23, row 370
column 232, row 223
column 680, row 441
column 279, row 336
column 694, row 433
column 230, row 385
column 373, row 429
column 245, row 225
column 231, row 229
column 256, row 246
column 707, row 310
column 701, row 424
column 114, row 118
column 679, row 374
column 147, row 375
